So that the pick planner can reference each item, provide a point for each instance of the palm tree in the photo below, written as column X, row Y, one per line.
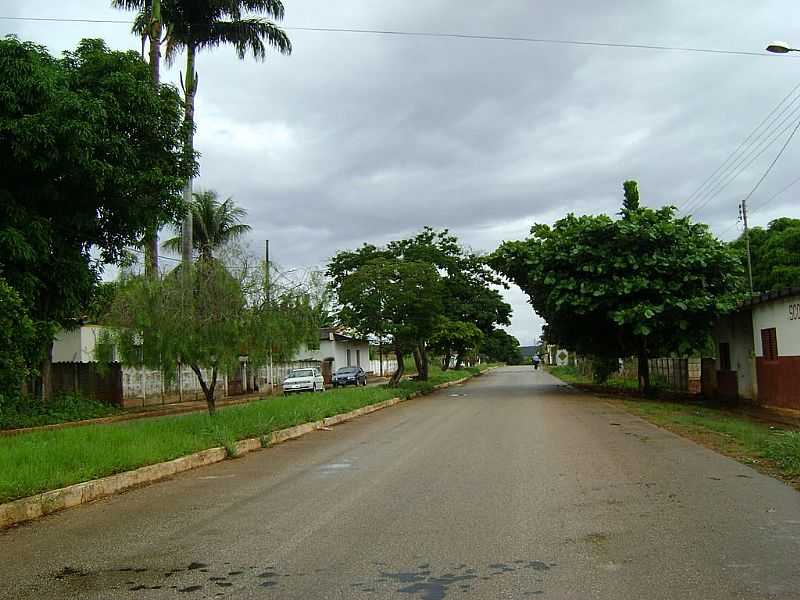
column 194, row 25
column 148, row 25
column 214, row 223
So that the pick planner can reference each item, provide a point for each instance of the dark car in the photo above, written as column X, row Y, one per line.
column 349, row 376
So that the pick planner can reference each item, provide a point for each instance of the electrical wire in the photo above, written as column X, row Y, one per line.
column 745, row 162
column 442, row 34
column 771, row 198
column 692, row 197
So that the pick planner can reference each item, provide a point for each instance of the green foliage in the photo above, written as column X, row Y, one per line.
column 27, row 411
column 17, row 343
column 500, row 346
column 603, row 367
column 775, row 253
column 214, row 224
column 206, row 318
column 423, row 292
column 92, row 158
column 631, row 201
column 643, row 284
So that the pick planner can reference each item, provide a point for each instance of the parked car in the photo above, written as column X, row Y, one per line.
column 349, row 376
column 303, row 380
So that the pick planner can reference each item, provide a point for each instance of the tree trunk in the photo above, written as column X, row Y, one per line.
column 422, row 365
column 151, row 236
column 398, row 374
column 208, row 390
column 190, row 89
column 46, row 392
column 460, row 360
column 644, row 372
column 446, row 360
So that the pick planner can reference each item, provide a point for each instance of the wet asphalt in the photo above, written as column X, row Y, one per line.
column 511, row 486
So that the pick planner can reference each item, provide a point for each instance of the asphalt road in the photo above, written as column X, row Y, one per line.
column 516, row 488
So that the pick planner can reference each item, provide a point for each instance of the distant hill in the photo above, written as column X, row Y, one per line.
column 528, row 351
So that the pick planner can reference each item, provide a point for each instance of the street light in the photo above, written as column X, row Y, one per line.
column 780, row 48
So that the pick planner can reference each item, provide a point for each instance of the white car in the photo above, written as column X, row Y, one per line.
column 304, row 380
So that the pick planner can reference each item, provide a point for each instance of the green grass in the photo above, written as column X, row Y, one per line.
column 31, row 412
column 45, row 460
column 731, row 433
column 569, row 374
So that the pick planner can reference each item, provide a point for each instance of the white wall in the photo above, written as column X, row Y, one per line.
column 784, row 315
column 737, row 330
column 77, row 345
column 67, row 346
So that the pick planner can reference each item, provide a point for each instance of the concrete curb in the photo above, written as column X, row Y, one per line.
column 39, row 505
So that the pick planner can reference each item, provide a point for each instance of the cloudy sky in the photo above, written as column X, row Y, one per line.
column 359, row 137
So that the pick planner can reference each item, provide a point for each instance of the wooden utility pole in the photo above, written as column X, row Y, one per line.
column 743, row 216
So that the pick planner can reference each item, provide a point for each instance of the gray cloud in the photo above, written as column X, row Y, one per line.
column 364, row 138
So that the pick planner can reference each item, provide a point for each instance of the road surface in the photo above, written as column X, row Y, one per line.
column 511, row 486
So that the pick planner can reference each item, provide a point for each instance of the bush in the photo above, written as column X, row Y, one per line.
column 604, row 367
column 17, row 338
column 26, row 411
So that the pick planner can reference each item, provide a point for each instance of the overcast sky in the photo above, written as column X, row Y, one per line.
column 358, row 138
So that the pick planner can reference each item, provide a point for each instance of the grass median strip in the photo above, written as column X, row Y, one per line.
column 45, row 460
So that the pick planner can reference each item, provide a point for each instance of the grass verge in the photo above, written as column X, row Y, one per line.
column 771, row 449
column 45, row 460
column 570, row 375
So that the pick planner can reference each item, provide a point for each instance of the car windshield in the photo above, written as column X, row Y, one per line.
column 301, row 373
column 345, row 370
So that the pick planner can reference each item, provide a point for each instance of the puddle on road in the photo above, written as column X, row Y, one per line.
column 203, row 580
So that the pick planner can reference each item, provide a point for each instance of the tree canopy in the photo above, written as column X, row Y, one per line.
column 775, row 252
column 423, row 292
column 92, row 157
column 207, row 321
column 642, row 284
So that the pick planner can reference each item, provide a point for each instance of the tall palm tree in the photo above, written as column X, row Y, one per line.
column 148, row 25
column 194, row 25
column 214, row 223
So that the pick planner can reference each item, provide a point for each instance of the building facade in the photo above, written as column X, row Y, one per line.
column 758, row 350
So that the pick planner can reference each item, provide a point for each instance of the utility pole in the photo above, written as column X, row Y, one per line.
column 743, row 217
column 267, row 285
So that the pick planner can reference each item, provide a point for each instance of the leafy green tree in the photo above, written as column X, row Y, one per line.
column 17, row 342
column 214, row 224
column 455, row 336
column 195, row 25
column 775, row 253
column 391, row 296
column 644, row 284
column 206, row 319
column 500, row 346
column 468, row 296
column 92, row 157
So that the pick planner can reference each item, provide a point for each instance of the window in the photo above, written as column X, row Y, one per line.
column 358, row 358
column 724, row 356
column 348, row 357
column 769, row 344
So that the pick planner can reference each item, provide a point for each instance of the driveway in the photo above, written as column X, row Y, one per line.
column 511, row 486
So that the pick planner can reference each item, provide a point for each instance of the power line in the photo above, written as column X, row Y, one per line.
column 772, row 164
column 442, row 34
column 694, row 195
column 771, row 198
column 744, row 162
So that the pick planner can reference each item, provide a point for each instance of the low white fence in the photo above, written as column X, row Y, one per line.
column 145, row 387
column 389, row 366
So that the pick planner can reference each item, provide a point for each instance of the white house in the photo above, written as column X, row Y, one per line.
column 338, row 349
column 77, row 345
column 758, row 350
